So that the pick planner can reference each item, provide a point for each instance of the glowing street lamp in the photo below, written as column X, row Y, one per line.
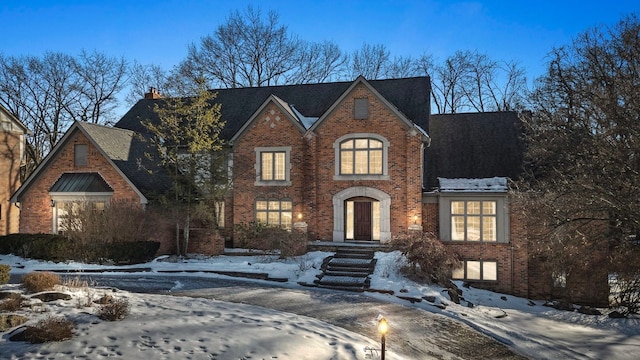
column 383, row 327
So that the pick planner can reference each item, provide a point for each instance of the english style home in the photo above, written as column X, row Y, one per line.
column 12, row 156
column 359, row 161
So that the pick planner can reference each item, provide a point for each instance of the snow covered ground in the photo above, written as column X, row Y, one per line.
column 172, row 327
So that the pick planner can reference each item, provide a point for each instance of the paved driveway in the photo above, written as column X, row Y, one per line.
column 414, row 333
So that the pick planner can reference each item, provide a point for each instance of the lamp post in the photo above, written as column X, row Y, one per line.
column 383, row 327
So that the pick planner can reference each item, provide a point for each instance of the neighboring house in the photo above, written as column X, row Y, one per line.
column 90, row 164
column 358, row 161
column 12, row 156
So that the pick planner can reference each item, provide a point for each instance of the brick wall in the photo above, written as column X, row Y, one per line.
column 271, row 128
column 9, row 181
column 512, row 257
column 313, row 164
column 404, row 166
column 37, row 215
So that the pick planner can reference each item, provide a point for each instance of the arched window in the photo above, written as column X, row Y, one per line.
column 362, row 156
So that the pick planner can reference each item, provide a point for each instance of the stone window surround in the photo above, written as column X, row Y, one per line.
column 385, row 157
column 287, row 160
column 502, row 215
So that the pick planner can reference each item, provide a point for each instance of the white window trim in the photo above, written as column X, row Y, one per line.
column 502, row 215
column 79, row 197
column 258, row 165
column 385, row 157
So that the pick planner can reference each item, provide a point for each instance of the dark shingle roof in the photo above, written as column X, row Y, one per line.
column 128, row 152
column 411, row 96
column 472, row 146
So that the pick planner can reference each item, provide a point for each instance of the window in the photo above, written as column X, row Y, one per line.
column 361, row 157
column 273, row 166
column 218, row 208
column 71, row 215
column 80, row 152
column 473, row 220
column 275, row 212
column 476, row 270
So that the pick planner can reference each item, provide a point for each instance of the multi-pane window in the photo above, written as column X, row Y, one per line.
column 476, row 270
column 273, row 166
column 73, row 215
column 275, row 212
column 361, row 156
column 473, row 220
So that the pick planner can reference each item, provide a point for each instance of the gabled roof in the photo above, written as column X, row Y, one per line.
column 120, row 147
column 473, row 146
column 283, row 106
column 409, row 96
column 361, row 80
column 16, row 124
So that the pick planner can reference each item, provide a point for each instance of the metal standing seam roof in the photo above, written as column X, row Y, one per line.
column 81, row 183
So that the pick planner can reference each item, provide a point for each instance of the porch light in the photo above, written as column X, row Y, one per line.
column 415, row 219
column 383, row 328
column 53, row 203
column 299, row 216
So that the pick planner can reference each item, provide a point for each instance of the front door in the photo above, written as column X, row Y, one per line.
column 362, row 220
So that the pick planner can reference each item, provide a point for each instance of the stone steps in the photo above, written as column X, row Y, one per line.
column 348, row 269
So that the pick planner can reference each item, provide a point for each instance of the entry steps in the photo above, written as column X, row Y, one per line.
column 348, row 269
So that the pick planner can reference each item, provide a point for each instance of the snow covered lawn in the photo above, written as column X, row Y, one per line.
column 174, row 327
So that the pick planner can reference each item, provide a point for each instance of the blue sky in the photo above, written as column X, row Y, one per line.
column 159, row 31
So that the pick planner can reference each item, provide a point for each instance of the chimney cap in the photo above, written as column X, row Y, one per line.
column 152, row 94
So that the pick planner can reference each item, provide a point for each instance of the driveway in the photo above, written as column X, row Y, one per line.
column 414, row 333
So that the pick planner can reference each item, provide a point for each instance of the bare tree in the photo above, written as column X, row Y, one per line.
column 48, row 93
column 369, row 61
column 584, row 152
column 471, row 81
column 246, row 51
column 142, row 77
column 102, row 78
column 318, row 62
column 447, row 83
column 401, row 67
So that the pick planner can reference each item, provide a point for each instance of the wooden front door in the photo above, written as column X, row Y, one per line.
column 362, row 220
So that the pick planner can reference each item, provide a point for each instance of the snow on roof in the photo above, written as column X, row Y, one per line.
column 306, row 121
column 494, row 184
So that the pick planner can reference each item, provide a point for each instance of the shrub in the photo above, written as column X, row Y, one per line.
column 37, row 246
column 40, row 281
column 11, row 304
column 4, row 273
column 427, row 256
column 132, row 252
column 259, row 236
column 49, row 329
column 115, row 310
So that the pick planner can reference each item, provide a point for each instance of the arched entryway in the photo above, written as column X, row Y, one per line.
column 361, row 213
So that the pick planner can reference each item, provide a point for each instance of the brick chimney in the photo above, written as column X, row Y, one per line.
column 152, row 94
